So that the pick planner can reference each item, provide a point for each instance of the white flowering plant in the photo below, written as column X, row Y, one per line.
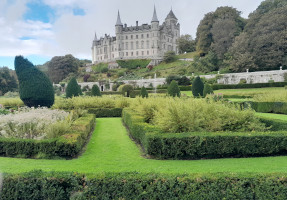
column 32, row 123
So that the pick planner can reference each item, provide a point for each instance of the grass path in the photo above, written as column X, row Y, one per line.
column 111, row 150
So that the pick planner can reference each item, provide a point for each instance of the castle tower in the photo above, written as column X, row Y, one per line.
column 94, row 49
column 119, row 31
column 172, row 22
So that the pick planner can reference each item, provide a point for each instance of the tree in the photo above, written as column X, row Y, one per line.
column 169, row 57
column 144, row 93
column 204, row 34
column 185, row 43
column 197, row 87
column 34, row 86
column 60, row 66
column 96, row 91
column 73, row 89
column 126, row 90
column 171, row 78
column 206, row 64
column 7, row 80
column 207, row 90
column 173, row 89
column 184, row 81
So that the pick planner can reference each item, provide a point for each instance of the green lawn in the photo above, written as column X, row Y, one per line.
column 111, row 150
column 273, row 116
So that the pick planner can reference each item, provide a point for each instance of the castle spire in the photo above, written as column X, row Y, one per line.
column 96, row 38
column 119, row 23
column 154, row 17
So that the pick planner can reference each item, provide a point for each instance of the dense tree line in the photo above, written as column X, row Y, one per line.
column 7, row 80
column 226, row 40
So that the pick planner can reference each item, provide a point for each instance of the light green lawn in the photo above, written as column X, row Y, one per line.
column 111, row 150
column 273, row 116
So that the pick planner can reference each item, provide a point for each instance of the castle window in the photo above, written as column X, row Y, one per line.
column 127, row 45
column 137, row 37
column 142, row 53
column 147, row 44
column 132, row 45
column 142, row 45
column 137, row 53
column 147, row 35
column 132, row 54
column 127, row 53
column 147, row 52
column 132, row 36
column 142, row 36
column 127, row 37
column 137, row 44
column 113, row 55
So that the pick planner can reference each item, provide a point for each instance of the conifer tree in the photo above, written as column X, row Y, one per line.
column 35, row 88
column 173, row 89
column 73, row 89
column 197, row 87
column 207, row 90
column 144, row 93
column 96, row 91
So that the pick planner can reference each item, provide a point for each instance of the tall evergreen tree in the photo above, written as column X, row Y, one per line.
column 73, row 89
column 197, row 87
column 96, row 91
column 173, row 89
column 7, row 81
column 35, row 87
column 144, row 93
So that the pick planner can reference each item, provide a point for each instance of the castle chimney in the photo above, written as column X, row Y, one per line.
column 137, row 22
column 125, row 25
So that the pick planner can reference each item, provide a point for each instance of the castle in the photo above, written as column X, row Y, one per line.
column 138, row 42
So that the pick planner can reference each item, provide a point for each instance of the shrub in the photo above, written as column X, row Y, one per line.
column 96, row 91
column 34, row 86
column 106, row 112
column 173, row 89
column 126, row 90
column 207, row 90
column 184, row 81
column 254, row 85
column 144, row 93
column 171, row 78
column 197, row 87
column 169, row 57
column 133, row 64
column 73, row 89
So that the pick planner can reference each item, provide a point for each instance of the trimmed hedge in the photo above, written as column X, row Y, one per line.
column 133, row 64
column 106, row 112
column 197, row 145
column 267, row 107
column 254, row 85
column 61, row 186
column 68, row 145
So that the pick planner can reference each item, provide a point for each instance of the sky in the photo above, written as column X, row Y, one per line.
column 41, row 29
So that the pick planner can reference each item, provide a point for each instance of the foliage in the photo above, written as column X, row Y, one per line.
column 106, row 112
column 11, row 95
column 211, row 24
column 169, row 57
column 7, row 80
column 29, row 123
column 271, row 97
column 253, row 85
column 197, row 87
column 186, row 44
column 144, row 93
column 181, row 80
column 73, row 89
column 101, row 68
column 126, row 90
column 96, row 91
column 173, row 89
column 207, row 90
column 263, row 44
column 205, row 64
column 171, row 78
column 35, row 87
column 133, row 64
column 60, row 66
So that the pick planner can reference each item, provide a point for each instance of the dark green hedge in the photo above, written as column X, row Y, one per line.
column 267, row 107
column 133, row 64
column 199, row 145
column 68, row 145
column 254, row 85
column 61, row 186
column 106, row 112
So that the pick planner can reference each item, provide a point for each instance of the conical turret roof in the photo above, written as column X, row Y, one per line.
column 171, row 15
column 154, row 17
column 119, row 23
column 96, row 38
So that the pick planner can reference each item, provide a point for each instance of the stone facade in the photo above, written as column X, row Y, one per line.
column 148, row 41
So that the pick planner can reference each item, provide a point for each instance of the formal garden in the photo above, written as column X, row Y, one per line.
column 167, row 146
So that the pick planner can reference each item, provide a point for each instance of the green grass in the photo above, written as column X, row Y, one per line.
column 249, row 91
column 188, row 55
column 111, row 150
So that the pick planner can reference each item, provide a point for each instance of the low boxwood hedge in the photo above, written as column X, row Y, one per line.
column 106, row 112
column 61, row 186
column 267, row 107
column 68, row 145
column 197, row 145
column 253, row 85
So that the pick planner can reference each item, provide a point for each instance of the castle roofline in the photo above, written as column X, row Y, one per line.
column 154, row 17
column 171, row 15
column 119, row 22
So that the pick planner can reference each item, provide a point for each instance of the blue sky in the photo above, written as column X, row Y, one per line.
column 41, row 29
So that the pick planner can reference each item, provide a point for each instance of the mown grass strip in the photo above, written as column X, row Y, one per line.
column 111, row 150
